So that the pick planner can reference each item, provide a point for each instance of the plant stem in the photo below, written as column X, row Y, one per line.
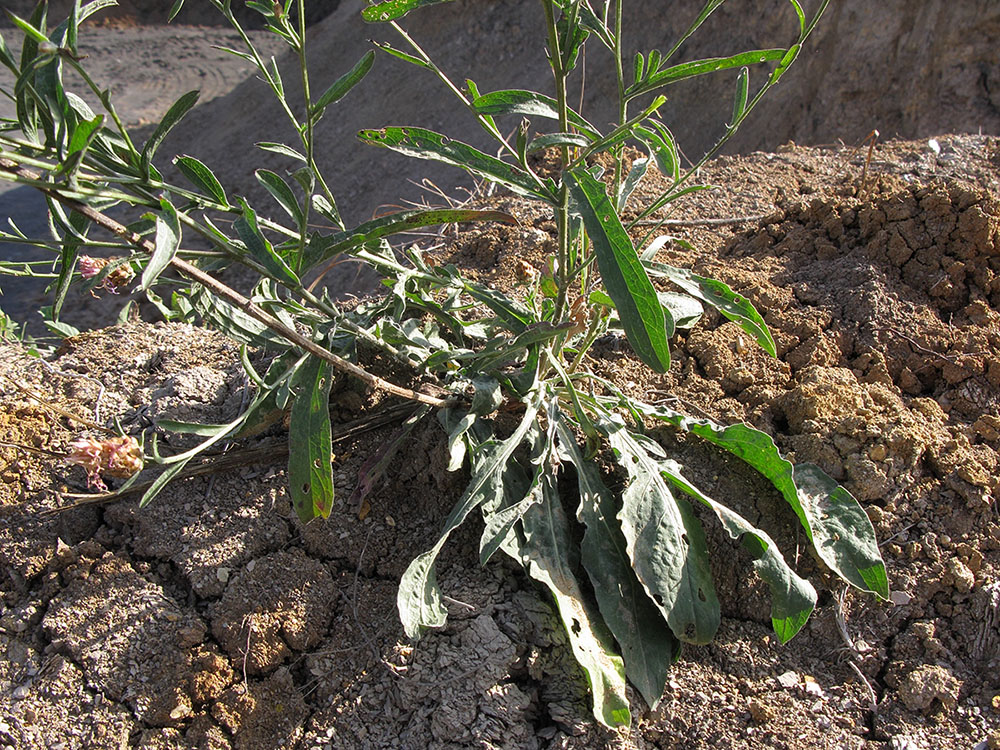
column 562, row 208
column 622, row 101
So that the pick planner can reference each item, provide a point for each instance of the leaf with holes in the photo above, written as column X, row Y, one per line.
column 665, row 541
column 310, row 472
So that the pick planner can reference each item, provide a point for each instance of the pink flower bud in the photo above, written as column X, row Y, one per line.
column 90, row 267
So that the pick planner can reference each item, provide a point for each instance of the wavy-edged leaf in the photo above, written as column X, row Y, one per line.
column 203, row 178
column 684, row 309
column 419, row 598
column 310, row 471
column 632, row 180
column 546, row 556
column 551, row 140
column 168, row 240
column 832, row 518
column 173, row 116
column 426, row 144
column 648, row 646
column 694, row 68
column 340, row 88
column 665, row 542
column 792, row 597
column 712, row 292
column 529, row 103
column 390, row 10
column 646, row 324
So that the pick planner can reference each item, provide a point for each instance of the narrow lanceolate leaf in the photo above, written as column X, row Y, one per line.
column 310, row 473
column 666, row 543
column 646, row 324
column 168, row 239
column 740, row 100
column 701, row 67
column 546, row 557
column 426, row 144
column 203, row 178
column 648, row 646
column 390, row 10
column 259, row 248
column 339, row 88
column 834, row 521
column 281, row 193
column 419, row 598
column 792, row 597
column 173, row 116
column 715, row 293
column 528, row 104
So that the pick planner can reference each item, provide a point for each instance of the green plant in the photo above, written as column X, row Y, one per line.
column 516, row 395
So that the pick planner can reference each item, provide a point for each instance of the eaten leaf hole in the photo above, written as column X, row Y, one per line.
column 658, row 599
column 701, row 595
column 684, row 538
column 690, row 631
column 576, row 627
column 322, row 382
column 317, row 463
column 305, row 488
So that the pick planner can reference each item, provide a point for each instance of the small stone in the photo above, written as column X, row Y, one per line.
column 223, row 574
column 761, row 712
column 900, row 598
column 788, row 680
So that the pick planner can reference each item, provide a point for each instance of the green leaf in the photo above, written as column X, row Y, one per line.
column 168, row 240
column 426, row 144
column 662, row 147
column 740, row 100
column 701, row 67
column 529, row 103
column 310, row 471
column 684, row 309
column 647, row 326
column 258, row 246
column 339, row 88
column 835, row 523
column 546, row 556
column 715, row 293
column 648, row 646
column 203, row 178
column 390, row 10
column 419, row 598
column 666, row 543
column 282, row 193
column 175, row 9
column 557, row 139
column 792, row 597
column 280, row 148
column 632, row 180
column 173, row 116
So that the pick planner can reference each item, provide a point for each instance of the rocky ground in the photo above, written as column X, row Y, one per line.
column 212, row 618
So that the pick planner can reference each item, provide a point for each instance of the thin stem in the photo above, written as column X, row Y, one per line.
column 562, row 208
column 622, row 101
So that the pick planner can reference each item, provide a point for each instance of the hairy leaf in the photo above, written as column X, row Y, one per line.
column 426, row 144
column 529, row 103
column 546, row 556
column 202, row 177
column 792, row 597
column 340, row 88
column 648, row 646
column 835, row 523
column 310, row 472
column 390, row 10
column 646, row 324
column 173, row 116
column 666, row 543
column 694, row 68
column 419, row 598
column 717, row 294
column 168, row 240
